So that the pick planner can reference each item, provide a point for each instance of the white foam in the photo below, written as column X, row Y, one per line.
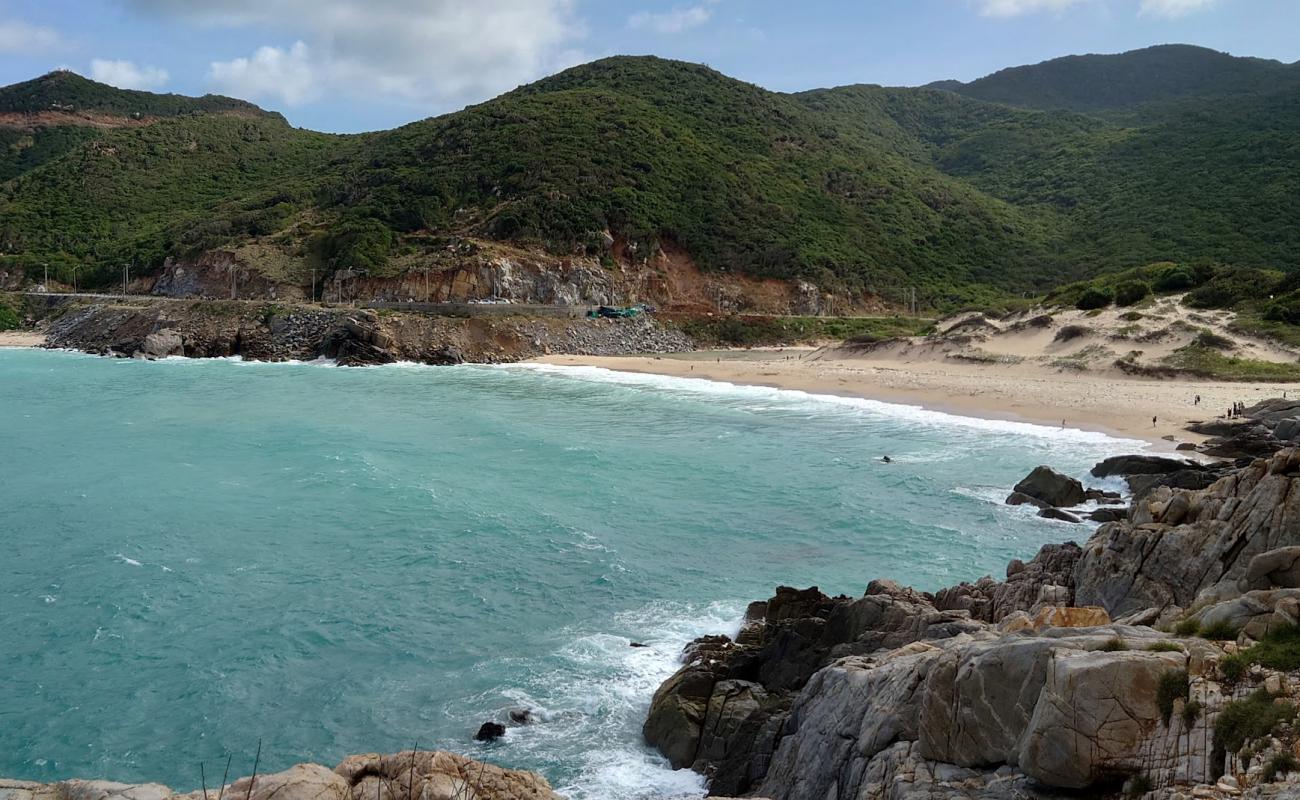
column 788, row 398
column 594, row 704
column 126, row 560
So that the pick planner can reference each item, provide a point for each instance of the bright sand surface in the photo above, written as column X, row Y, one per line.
column 21, row 339
column 1100, row 401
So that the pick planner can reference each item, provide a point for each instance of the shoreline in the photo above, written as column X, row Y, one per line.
column 1113, row 405
column 21, row 339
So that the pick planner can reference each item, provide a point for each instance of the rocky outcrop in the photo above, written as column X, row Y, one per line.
column 156, row 329
column 1179, row 543
column 1016, row 688
column 418, row 775
column 1051, row 487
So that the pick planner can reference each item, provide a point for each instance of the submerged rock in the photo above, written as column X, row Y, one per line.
column 490, row 731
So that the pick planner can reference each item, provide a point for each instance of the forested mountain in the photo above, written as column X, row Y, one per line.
column 1171, row 153
column 1153, row 75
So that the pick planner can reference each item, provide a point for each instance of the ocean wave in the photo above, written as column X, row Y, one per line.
column 795, row 398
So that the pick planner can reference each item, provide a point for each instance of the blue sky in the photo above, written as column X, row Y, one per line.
column 353, row 65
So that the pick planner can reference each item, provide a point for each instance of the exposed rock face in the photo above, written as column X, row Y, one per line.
column 421, row 775
column 1179, row 543
column 156, row 329
column 1047, row 579
column 1051, row 487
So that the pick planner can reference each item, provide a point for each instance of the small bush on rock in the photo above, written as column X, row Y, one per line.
column 1277, row 767
column 1219, row 632
column 1164, row 646
column 1188, row 627
column 1248, row 719
column 1173, row 686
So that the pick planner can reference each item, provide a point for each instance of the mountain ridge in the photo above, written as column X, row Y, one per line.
column 852, row 188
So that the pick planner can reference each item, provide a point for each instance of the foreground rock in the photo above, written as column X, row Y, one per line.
column 1018, row 688
column 420, row 775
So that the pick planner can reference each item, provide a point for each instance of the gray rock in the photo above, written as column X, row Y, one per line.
column 1276, row 568
column 1094, row 715
column 1051, row 487
column 1141, row 465
column 1058, row 514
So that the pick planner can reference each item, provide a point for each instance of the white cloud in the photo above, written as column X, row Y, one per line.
column 285, row 75
column 1172, row 8
column 1014, row 8
column 674, row 21
column 126, row 74
column 17, row 36
column 435, row 53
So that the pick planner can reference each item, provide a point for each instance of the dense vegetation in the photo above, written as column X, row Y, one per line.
column 1159, row 74
column 856, row 188
column 67, row 91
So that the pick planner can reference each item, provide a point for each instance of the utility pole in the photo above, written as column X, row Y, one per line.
column 426, row 285
column 74, row 280
column 126, row 276
column 234, row 289
column 313, row 284
column 47, row 277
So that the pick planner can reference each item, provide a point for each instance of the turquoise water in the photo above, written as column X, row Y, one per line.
column 202, row 554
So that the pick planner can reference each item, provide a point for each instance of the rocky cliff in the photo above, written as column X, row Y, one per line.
column 413, row 775
column 269, row 332
column 1082, row 671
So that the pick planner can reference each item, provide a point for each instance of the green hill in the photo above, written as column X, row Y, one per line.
column 43, row 118
column 1161, row 74
column 857, row 187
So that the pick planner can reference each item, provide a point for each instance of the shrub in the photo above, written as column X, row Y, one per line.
column 1191, row 713
column 1174, row 279
column 1114, row 645
column 1094, row 297
column 1278, row 766
column 1071, row 332
column 1233, row 667
column 1214, row 340
column 1279, row 649
column 1247, row 719
column 1219, row 631
column 1164, row 646
column 8, row 318
column 1188, row 627
column 1129, row 292
column 1230, row 287
column 1131, row 316
column 1173, row 686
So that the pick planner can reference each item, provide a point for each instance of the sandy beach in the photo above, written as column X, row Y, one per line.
column 1105, row 402
column 21, row 339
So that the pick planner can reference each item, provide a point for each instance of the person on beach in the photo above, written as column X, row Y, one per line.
column 1153, row 422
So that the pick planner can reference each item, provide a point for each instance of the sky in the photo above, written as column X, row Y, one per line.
column 357, row 65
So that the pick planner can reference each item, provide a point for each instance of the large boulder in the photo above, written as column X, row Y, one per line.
column 161, row 344
column 299, row 782
column 1142, row 465
column 1277, row 568
column 1050, row 486
column 1254, row 613
column 1093, row 717
column 1252, row 441
column 436, row 775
